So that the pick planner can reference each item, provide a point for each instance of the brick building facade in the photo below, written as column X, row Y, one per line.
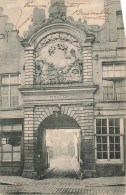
column 63, row 75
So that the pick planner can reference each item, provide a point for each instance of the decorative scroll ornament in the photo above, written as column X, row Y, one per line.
column 58, row 60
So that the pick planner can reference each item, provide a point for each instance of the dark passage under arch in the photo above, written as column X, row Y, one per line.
column 62, row 121
column 54, row 122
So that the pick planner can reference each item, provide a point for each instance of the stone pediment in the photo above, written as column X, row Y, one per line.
column 57, row 18
column 57, row 46
column 69, row 26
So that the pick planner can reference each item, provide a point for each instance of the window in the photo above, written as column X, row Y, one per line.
column 109, row 139
column 111, row 71
column 119, row 19
column 10, row 142
column 114, row 90
column 9, row 91
column 114, row 82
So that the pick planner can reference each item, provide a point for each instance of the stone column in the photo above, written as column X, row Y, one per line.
column 87, row 64
column 29, row 66
column 29, row 144
column 88, row 145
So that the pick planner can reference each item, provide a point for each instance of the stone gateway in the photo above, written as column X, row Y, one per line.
column 65, row 75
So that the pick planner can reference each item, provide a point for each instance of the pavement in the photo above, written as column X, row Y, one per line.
column 63, row 180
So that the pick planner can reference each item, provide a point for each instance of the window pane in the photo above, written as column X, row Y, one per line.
column 108, row 90
column 3, row 141
column 104, row 122
column 117, row 67
column 17, row 127
column 117, row 147
column 123, row 68
column 14, row 80
column 105, row 68
column 98, row 130
column 111, row 122
column 117, row 155
column 111, row 139
column 111, row 155
column 117, row 139
column 117, row 130
column 5, row 91
column 98, row 122
column 99, row 155
column 6, row 128
column 14, row 96
column 117, row 122
column 104, row 130
column 110, row 67
column 16, row 156
column 105, row 155
column 5, row 101
column 98, row 139
column 111, row 130
column 16, row 148
column 7, row 148
column 15, row 141
column 14, row 101
column 104, row 147
column 104, row 139
column 99, row 148
column 7, row 157
column 5, row 80
column 5, row 96
column 111, row 147
column 120, row 92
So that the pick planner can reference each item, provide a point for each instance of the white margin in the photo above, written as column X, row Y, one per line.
column 123, row 4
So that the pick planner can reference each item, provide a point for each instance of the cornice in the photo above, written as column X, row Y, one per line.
column 79, row 31
column 25, row 90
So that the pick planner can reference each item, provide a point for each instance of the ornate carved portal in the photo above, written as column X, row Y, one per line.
column 58, row 60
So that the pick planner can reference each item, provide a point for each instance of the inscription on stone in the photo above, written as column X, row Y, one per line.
column 55, row 97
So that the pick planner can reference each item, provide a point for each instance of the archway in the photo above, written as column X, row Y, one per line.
column 58, row 143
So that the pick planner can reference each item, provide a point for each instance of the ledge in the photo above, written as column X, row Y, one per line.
column 10, row 109
column 103, row 163
column 57, row 87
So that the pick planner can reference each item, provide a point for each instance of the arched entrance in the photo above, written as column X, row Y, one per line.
column 58, row 142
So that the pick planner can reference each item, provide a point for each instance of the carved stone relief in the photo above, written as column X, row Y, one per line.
column 58, row 60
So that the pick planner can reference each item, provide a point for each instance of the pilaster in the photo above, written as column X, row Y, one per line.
column 88, row 150
column 87, row 64
column 29, row 66
column 29, row 144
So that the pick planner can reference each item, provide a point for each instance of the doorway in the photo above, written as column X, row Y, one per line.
column 59, row 145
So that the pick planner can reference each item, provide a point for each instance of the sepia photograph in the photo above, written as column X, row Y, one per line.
column 62, row 97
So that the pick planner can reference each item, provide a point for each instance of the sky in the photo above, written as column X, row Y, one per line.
column 18, row 12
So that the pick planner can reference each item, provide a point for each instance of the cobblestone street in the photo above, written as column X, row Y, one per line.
column 62, row 180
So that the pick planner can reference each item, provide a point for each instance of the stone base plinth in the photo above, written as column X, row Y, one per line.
column 88, row 174
column 29, row 174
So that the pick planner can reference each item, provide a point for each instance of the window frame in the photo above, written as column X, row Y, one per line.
column 8, row 135
column 9, row 85
column 114, row 90
column 113, row 68
column 121, row 135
